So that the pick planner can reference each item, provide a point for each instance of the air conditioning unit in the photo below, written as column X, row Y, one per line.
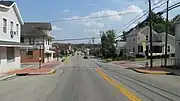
column 12, row 34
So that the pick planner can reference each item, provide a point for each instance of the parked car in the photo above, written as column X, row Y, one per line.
column 85, row 57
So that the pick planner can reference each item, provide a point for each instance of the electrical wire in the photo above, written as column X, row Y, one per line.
column 129, row 24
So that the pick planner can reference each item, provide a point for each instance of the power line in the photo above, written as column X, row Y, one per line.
column 138, row 18
column 87, row 18
column 170, row 8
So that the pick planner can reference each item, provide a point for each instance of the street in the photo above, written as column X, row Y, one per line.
column 90, row 80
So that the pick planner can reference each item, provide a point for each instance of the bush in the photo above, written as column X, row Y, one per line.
column 139, row 56
column 109, row 60
column 119, row 58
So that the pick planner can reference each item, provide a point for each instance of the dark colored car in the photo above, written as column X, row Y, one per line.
column 85, row 57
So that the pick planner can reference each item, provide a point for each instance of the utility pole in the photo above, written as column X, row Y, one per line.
column 150, row 23
column 166, row 39
column 93, row 45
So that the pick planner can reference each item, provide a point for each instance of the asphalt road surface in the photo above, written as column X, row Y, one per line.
column 90, row 80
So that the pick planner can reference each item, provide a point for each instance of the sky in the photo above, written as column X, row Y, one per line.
column 56, row 11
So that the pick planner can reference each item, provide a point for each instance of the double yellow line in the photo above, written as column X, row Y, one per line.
column 119, row 86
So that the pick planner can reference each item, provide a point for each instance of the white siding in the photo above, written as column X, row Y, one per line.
column 4, row 65
column 10, row 15
column 177, row 44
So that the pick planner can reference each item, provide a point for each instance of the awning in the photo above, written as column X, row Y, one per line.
column 13, row 44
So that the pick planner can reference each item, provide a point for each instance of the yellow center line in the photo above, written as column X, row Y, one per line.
column 119, row 86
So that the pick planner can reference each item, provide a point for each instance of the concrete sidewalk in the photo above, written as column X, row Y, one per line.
column 47, row 68
column 127, row 64
column 158, row 70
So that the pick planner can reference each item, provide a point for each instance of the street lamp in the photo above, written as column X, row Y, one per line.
column 40, row 53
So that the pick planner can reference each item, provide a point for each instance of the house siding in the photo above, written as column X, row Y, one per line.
column 177, row 44
column 10, row 15
column 140, row 35
column 4, row 64
column 37, row 38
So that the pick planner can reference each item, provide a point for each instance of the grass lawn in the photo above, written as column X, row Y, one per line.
column 139, row 59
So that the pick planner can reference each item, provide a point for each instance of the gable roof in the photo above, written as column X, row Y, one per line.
column 10, row 4
column 176, row 19
column 40, row 25
column 144, row 30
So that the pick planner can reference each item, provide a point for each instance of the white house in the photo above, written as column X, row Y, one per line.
column 138, row 41
column 38, row 35
column 10, row 28
column 177, row 41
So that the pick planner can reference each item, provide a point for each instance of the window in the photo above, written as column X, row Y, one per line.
column 4, row 25
column 11, row 25
column 10, row 54
column 17, row 29
column 140, row 48
column 133, row 49
column 147, row 38
column 30, row 53
column 31, row 41
column 168, row 48
column 48, row 41
column 22, row 39
column 133, row 39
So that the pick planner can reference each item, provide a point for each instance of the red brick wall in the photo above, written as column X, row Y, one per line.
column 33, row 58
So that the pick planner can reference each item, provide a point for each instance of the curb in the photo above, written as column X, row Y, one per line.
column 7, row 77
column 53, row 71
column 157, row 73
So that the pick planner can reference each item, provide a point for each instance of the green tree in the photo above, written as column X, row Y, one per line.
column 158, row 23
column 108, row 49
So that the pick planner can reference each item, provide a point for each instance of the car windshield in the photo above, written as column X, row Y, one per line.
column 89, row 50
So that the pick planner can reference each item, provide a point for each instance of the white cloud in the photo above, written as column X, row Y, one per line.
column 134, row 9
column 94, row 24
column 72, row 18
column 66, row 10
column 56, row 28
column 110, row 14
column 90, row 30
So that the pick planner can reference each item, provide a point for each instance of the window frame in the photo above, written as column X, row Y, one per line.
column 168, row 48
column 11, row 26
column 31, row 42
column 147, row 38
column 17, row 29
column 5, row 26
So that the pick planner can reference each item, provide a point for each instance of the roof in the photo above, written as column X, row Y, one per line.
column 176, row 19
column 144, row 30
column 38, row 25
column 7, row 3
column 169, row 35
